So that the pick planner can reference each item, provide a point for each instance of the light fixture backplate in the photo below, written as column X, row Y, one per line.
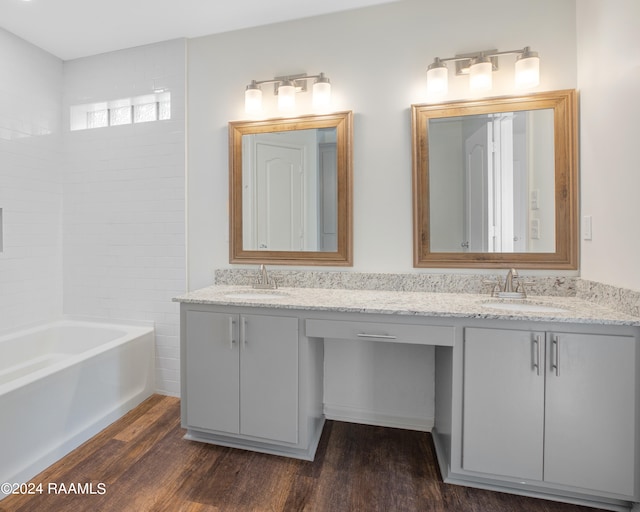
column 462, row 66
column 299, row 84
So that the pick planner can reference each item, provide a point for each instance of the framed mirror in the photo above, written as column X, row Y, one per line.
column 495, row 182
column 290, row 190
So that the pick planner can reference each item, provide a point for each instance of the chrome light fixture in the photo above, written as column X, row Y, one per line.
column 286, row 96
column 321, row 92
column 527, row 69
column 286, row 88
column 252, row 98
column 480, row 74
column 480, row 66
column 437, row 78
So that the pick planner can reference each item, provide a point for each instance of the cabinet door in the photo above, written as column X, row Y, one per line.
column 503, row 402
column 269, row 377
column 212, row 371
column 590, row 412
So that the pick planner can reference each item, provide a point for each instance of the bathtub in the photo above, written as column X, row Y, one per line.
column 63, row 382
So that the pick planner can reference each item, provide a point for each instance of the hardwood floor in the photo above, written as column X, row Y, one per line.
column 141, row 463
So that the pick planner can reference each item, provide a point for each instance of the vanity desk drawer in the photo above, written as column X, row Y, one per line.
column 382, row 332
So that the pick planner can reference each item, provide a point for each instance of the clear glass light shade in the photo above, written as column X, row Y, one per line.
column 321, row 95
column 286, row 97
column 437, row 80
column 252, row 100
column 527, row 70
column 480, row 78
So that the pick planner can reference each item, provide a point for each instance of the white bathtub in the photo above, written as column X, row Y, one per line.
column 62, row 383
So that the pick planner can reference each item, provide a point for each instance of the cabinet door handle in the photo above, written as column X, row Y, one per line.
column 536, row 353
column 243, row 332
column 376, row 336
column 555, row 363
column 232, row 331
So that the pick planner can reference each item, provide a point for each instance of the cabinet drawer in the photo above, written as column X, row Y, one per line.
column 384, row 332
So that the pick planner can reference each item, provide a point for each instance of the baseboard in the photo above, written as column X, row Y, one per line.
column 367, row 417
column 241, row 443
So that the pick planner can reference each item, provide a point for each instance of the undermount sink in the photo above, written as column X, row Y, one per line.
column 524, row 307
column 254, row 295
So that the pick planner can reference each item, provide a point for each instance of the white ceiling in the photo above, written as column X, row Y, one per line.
column 76, row 28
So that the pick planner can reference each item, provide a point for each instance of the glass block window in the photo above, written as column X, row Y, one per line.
column 140, row 109
column 98, row 118
column 120, row 115
column 145, row 112
column 164, row 110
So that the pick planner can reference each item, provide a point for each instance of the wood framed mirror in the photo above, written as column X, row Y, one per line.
column 290, row 190
column 495, row 182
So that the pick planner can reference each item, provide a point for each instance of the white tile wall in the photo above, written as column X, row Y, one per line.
column 30, row 187
column 124, row 202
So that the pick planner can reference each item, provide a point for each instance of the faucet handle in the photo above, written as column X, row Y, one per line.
column 496, row 285
column 520, row 288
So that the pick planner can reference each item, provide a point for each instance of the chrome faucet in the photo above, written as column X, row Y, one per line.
column 508, row 283
column 263, row 281
column 513, row 287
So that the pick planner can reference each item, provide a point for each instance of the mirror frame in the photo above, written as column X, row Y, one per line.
column 564, row 105
column 343, row 256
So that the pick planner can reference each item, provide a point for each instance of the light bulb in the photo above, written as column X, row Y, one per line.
column 286, row 96
column 321, row 93
column 480, row 78
column 252, row 98
column 527, row 69
column 437, row 78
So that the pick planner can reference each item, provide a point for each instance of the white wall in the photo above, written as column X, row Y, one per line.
column 376, row 59
column 609, row 81
column 124, row 235
column 30, row 189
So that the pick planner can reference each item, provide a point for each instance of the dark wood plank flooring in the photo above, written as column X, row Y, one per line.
column 145, row 465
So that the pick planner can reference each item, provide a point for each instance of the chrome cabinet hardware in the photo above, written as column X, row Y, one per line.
column 537, row 347
column 376, row 336
column 232, row 331
column 243, row 334
column 555, row 354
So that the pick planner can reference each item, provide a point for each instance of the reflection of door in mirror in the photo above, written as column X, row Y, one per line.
column 490, row 192
column 328, row 195
column 290, row 190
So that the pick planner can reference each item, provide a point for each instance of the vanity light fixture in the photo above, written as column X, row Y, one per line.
column 286, row 96
column 286, row 87
column 479, row 66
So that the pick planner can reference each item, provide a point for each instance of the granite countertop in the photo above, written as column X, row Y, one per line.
column 452, row 305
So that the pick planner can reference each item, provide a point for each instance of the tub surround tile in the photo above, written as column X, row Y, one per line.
column 123, row 222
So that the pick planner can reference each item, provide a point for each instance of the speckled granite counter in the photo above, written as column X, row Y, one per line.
column 450, row 305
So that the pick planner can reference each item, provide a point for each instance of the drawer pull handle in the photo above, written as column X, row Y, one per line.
column 376, row 336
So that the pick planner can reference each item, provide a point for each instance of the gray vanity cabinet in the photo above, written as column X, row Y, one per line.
column 591, row 411
column 212, row 372
column 552, row 407
column 242, row 374
column 250, row 380
column 503, row 404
